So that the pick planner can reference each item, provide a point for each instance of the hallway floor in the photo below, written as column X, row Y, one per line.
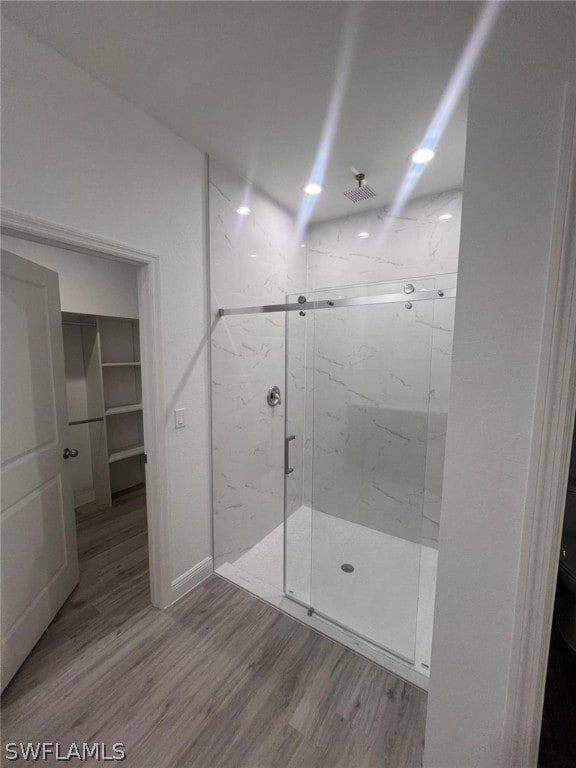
column 218, row 680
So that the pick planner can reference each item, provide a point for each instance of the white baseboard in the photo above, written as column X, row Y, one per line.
column 191, row 578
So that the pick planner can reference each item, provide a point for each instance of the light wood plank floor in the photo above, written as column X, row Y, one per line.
column 220, row 680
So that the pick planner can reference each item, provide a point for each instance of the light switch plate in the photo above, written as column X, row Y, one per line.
column 179, row 418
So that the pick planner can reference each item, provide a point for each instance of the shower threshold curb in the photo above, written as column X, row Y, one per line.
column 264, row 592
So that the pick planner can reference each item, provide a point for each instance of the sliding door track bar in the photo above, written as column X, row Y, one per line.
column 304, row 304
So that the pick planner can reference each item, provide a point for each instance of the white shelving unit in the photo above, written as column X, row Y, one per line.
column 113, row 396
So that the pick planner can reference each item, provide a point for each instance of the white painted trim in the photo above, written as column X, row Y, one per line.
column 191, row 578
column 42, row 231
column 154, row 439
column 549, row 463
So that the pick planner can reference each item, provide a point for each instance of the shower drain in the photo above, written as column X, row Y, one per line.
column 347, row 568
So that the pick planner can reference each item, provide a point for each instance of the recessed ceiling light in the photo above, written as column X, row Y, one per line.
column 363, row 235
column 302, row 245
column 445, row 217
column 252, row 255
column 243, row 210
column 313, row 189
column 422, row 155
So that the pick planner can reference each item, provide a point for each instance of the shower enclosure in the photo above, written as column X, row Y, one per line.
column 367, row 370
column 330, row 371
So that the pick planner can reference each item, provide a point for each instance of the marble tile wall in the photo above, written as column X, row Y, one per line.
column 415, row 244
column 340, row 381
column 379, row 376
column 252, row 261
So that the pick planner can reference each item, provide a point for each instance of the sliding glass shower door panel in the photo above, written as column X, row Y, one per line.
column 371, row 369
column 366, row 406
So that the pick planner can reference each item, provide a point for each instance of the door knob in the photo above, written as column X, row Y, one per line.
column 70, row 453
column 273, row 397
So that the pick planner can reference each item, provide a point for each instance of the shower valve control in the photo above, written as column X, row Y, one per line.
column 274, row 397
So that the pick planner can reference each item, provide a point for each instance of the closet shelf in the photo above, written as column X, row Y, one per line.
column 126, row 453
column 119, row 365
column 123, row 409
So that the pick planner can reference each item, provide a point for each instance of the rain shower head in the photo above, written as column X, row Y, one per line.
column 361, row 192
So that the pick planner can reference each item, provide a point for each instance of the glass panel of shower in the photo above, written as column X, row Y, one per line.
column 366, row 402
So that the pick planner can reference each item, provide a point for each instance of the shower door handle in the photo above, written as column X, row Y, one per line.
column 287, row 468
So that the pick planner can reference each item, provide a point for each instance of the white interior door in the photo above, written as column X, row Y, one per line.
column 39, row 565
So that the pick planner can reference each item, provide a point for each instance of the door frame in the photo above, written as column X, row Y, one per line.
column 41, row 231
column 549, row 465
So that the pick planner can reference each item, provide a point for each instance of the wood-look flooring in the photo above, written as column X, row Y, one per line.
column 219, row 680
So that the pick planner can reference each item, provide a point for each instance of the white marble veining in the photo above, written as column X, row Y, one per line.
column 414, row 245
column 374, row 422
column 253, row 260
column 379, row 376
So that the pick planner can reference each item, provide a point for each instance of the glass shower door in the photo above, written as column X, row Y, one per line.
column 358, row 395
column 298, row 455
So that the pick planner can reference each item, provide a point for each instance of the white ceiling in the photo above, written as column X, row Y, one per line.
column 250, row 82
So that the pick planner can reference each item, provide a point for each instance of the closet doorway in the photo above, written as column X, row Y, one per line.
column 108, row 477
column 112, row 386
column 104, row 392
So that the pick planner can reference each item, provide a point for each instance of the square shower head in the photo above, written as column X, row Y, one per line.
column 359, row 193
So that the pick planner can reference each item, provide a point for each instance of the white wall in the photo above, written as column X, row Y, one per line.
column 88, row 285
column 511, row 165
column 77, row 155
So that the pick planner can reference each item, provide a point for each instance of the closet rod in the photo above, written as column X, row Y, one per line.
column 85, row 421
column 71, row 322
